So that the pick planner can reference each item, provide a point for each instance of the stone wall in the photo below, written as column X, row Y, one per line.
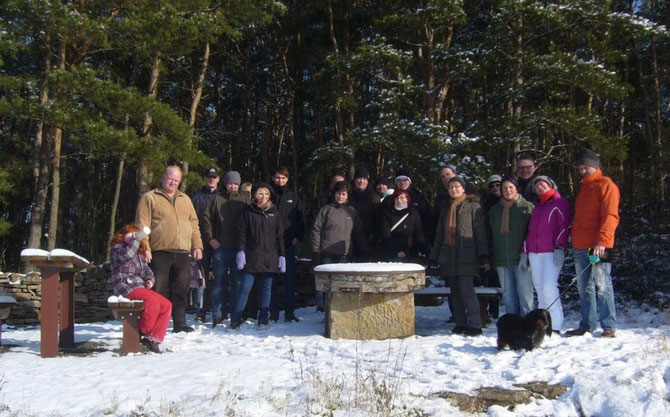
column 93, row 287
column 27, row 291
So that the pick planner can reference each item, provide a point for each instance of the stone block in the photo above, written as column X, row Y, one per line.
column 370, row 315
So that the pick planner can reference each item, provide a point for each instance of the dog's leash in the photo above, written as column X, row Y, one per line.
column 569, row 285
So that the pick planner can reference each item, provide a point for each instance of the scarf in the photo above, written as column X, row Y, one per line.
column 450, row 236
column 401, row 207
column 507, row 205
column 265, row 206
column 547, row 195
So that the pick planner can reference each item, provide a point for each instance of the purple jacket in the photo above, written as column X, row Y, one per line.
column 129, row 271
column 549, row 226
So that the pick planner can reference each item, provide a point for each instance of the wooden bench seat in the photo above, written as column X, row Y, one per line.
column 484, row 294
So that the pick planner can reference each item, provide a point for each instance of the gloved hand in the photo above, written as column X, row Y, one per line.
column 282, row 264
column 316, row 258
column 240, row 260
column 559, row 257
column 523, row 262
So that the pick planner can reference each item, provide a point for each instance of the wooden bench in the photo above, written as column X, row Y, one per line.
column 129, row 313
column 484, row 294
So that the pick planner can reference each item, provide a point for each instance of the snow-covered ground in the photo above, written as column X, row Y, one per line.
column 291, row 369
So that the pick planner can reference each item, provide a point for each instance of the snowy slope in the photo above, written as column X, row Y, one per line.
column 291, row 369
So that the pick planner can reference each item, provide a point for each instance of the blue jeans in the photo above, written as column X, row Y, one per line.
column 199, row 300
column 595, row 291
column 223, row 300
column 246, row 283
column 320, row 297
column 517, row 286
column 289, row 286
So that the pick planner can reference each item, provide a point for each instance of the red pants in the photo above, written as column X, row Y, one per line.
column 156, row 315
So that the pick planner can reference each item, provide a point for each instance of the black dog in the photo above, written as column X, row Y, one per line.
column 523, row 332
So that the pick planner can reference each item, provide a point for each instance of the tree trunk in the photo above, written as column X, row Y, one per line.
column 339, row 120
column 195, row 102
column 115, row 205
column 40, row 165
column 143, row 171
column 55, row 167
column 658, row 136
column 39, row 204
column 429, row 94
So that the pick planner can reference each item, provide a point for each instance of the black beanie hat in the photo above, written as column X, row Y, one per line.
column 512, row 179
column 361, row 172
column 590, row 158
column 382, row 180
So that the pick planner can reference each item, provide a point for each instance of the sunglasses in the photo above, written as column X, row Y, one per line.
column 495, row 185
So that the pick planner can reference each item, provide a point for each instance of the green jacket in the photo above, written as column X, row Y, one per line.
column 471, row 248
column 220, row 219
column 507, row 248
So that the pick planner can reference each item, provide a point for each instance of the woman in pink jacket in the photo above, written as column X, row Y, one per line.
column 546, row 241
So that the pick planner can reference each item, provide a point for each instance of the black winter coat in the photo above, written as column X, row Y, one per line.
column 291, row 211
column 260, row 237
column 407, row 237
column 201, row 200
column 365, row 202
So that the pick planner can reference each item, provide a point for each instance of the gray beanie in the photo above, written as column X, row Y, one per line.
column 493, row 178
column 590, row 158
column 546, row 179
column 232, row 177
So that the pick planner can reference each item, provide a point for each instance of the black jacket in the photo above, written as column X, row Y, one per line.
column 221, row 218
column 421, row 206
column 291, row 211
column 407, row 237
column 260, row 237
column 365, row 202
column 201, row 200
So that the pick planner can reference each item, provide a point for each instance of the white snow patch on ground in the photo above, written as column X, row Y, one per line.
column 291, row 369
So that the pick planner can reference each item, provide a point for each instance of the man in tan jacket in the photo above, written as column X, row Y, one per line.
column 174, row 238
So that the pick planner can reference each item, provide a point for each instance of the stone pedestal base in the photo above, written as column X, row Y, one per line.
column 370, row 316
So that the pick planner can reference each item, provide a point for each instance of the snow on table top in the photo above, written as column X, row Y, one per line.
column 370, row 267
column 33, row 252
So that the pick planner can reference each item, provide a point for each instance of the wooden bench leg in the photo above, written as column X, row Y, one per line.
column 131, row 334
column 66, row 318
column 49, row 313
column 483, row 311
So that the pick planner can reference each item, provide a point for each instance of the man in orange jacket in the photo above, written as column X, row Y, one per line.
column 596, row 220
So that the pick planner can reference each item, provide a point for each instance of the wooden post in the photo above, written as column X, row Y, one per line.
column 66, row 338
column 131, row 331
column 49, row 313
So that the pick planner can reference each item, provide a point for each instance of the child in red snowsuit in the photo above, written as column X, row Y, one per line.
column 132, row 278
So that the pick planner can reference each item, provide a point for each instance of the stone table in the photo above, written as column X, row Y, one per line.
column 57, row 311
column 369, row 300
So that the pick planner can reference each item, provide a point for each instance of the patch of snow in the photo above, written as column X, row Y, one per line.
column 370, row 267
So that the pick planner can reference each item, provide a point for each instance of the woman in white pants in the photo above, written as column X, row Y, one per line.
column 546, row 241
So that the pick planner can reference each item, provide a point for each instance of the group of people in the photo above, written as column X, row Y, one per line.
column 250, row 233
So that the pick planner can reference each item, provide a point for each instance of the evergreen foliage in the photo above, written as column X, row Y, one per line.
column 316, row 86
